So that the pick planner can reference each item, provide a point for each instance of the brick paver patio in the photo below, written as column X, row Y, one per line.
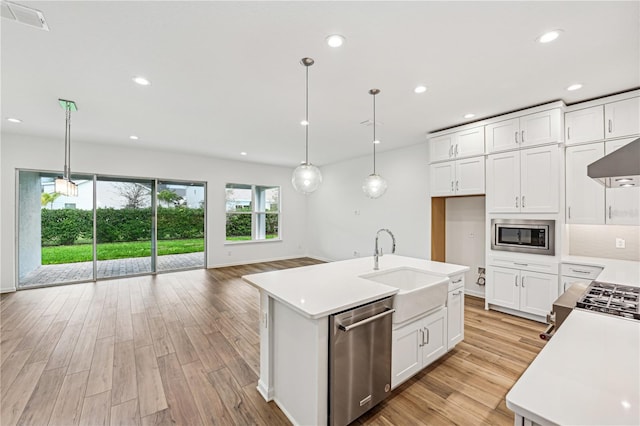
column 83, row 271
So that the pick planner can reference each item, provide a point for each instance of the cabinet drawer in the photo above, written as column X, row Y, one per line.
column 456, row 281
column 525, row 264
column 580, row 271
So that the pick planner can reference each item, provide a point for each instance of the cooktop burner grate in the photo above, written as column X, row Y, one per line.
column 614, row 299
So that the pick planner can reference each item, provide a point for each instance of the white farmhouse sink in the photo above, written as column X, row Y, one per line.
column 420, row 291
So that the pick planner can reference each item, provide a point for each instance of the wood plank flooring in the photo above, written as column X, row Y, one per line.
column 183, row 348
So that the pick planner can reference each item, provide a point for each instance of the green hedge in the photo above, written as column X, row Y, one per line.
column 66, row 226
column 239, row 225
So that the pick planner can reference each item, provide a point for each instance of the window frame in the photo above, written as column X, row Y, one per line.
column 255, row 213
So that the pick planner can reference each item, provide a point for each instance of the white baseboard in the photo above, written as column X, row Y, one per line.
column 474, row 293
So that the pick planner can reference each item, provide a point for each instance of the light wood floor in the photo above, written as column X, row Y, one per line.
column 183, row 348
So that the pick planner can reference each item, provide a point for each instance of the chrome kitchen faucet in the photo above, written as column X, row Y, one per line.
column 378, row 252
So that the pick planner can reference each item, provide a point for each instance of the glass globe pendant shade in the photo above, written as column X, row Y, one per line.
column 306, row 178
column 374, row 186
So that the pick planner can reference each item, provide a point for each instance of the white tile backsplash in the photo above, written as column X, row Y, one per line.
column 600, row 241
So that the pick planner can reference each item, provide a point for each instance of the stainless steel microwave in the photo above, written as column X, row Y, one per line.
column 524, row 236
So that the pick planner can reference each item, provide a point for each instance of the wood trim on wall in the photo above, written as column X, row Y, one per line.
column 438, row 229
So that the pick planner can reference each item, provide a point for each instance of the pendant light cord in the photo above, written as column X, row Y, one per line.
column 374, row 133
column 307, row 117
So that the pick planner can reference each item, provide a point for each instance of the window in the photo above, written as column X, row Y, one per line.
column 253, row 212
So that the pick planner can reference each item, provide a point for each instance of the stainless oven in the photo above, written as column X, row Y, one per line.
column 524, row 236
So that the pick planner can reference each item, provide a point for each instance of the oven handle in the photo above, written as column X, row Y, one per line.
column 366, row 320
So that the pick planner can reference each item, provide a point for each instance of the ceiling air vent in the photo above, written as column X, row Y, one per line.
column 24, row 15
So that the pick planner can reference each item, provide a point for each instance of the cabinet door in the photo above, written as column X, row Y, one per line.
column 584, row 125
column 406, row 352
column 503, row 182
column 470, row 176
column 443, row 179
column 585, row 196
column 434, row 334
column 455, row 318
column 622, row 204
column 441, row 147
column 622, row 118
column 540, row 128
column 537, row 292
column 502, row 135
column 469, row 142
column 539, row 180
column 502, row 287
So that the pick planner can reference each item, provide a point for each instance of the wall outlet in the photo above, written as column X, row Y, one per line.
column 620, row 243
column 356, row 253
column 356, row 212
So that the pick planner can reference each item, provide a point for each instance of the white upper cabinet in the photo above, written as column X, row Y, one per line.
column 584, row 125
column 623, row 204
column 461, row 144
column 622, row 118
column 460, row 177
column 524, row 181
column 585, row 196
column 532, row 129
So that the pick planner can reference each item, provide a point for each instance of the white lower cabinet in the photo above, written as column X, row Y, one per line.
column 418, row 344
column 521, row 290
column 455, row 317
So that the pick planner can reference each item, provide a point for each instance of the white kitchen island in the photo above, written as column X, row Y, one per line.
column 294, row 333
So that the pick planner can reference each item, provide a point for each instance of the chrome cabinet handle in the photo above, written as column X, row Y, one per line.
column 456, row 185
column 578, row 271
column 456, row 150
column 450, row 151
column 427, row 335
column 523, row 201
column 516, row 136
column 569, row 212
column 610, row 125
column 457, row 293
column 451, row 186
column 522, row 282
column 516, row 281
column 457, row 281
column 609, row 212
column 421, row 344
column 522, row 137
column 516, row 202
column 520, row 264
column 568, row 133
column 366, row 320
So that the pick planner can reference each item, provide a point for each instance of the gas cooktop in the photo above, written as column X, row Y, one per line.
column 613, row 299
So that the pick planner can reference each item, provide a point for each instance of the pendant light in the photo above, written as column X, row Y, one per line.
column 63, row 184
column 374, row 185
column 306, row 177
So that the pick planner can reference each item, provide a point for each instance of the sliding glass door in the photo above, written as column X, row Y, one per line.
column 115, row 227
column 124, row 227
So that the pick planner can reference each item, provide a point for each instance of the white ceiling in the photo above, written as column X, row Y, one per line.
column 226, row 76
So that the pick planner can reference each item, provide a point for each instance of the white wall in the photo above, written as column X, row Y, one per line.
column 46, row 154
column 600, row 241
column 342, row 220
column 465, row 241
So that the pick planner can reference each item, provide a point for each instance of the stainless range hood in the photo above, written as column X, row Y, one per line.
column 620, row 169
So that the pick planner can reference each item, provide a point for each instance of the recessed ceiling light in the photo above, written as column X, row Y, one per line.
column 549, row 36
column 574, row 87
column 469, row 115
column 335, row 40
column 141, row 81
column 420, row 89
column 134, row 137
column 376, row 142
column 14, row 120
column 243, row 153
column 304, row 123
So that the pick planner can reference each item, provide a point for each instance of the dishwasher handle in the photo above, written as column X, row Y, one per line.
column 366, row 320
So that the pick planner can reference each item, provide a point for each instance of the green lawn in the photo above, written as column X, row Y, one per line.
column 83, row 252
column 248, row 237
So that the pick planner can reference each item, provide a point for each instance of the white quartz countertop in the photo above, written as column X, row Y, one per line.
column 626, row 272
column 588, row 374
column 319, row 290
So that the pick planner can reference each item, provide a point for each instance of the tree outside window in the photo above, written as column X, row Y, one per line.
column 253, row 212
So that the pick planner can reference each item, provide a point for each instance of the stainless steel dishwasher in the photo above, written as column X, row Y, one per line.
column 359, row 360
